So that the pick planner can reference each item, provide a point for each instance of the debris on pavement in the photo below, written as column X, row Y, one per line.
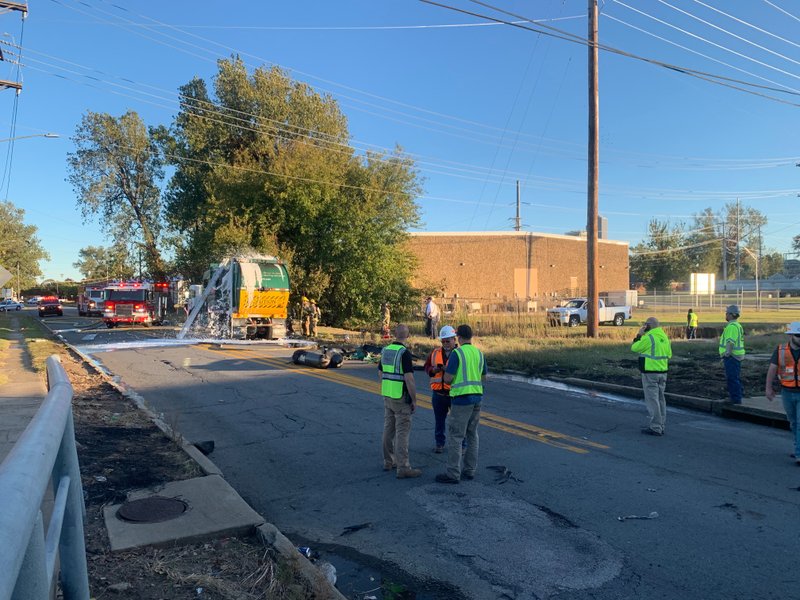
column 353, row 528
column 321, row 360
column 503, row 474
column 652, row 515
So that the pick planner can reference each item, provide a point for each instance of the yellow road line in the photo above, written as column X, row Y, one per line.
column 518, row 428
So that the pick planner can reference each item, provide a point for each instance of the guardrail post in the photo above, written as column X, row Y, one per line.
column 33, row 581
column 72, row 548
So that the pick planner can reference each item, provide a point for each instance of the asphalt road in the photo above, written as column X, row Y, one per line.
column 302, row 446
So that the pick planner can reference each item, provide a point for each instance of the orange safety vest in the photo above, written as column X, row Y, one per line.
column 437, row 381
column 787, row 367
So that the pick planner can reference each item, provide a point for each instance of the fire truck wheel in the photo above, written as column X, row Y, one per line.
column 110, row 325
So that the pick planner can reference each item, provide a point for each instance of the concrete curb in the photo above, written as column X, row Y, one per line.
column 268, row 534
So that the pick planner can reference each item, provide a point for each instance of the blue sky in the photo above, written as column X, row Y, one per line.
column 478, row 106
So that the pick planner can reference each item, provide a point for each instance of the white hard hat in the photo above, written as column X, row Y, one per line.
column 794, row 328
column 447, row 332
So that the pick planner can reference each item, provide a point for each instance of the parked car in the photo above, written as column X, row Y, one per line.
column 34, row 301
column 50, row 306
column 574, row 313
column 9, row 304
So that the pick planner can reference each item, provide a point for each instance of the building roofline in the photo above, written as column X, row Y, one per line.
column 522, row 234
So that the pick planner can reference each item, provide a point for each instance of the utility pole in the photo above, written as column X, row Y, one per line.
column 738, row 244
column 593, row 176
column 724, row 257
column 23, row 8
column 517, row 221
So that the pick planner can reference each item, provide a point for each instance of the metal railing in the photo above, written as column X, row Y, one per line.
column 45, row 455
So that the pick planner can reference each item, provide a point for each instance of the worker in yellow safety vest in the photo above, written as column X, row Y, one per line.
column 691, row 325
column 785, row 364
column 653, row 347
column 465, row 373
column 731, row 351
column 399, row 402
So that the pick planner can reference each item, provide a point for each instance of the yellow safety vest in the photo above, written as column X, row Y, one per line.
column 468, row 378
column 654, row 346
column 392, row 379
column 693, row 320
column 733, row 332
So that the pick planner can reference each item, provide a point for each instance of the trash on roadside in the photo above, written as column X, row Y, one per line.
column 100, row 478
column 305, row 551
column 652, row 490
column 652, row 515
column 329, row 571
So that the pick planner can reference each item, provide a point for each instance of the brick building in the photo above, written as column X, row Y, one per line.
column 512, row 267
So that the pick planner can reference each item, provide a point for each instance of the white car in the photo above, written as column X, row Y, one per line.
column 9, row 304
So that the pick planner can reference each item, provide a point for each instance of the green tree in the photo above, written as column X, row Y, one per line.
column 115, row 171
column 704, row 243
column 100, row 262
column 21, row 249
column 771, row 264
column 266, row 164
column 661, row 258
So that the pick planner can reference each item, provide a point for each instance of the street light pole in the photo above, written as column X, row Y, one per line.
column 33, row 135
column 755, row 258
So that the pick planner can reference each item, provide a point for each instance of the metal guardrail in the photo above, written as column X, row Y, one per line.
column 45, row 455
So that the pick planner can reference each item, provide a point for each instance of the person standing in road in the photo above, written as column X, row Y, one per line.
column 431, row 318
column 691, row 325
column 653, row 347
column 785, row 363
column 386, row 320
column 399, row 403
column 465, row 373
column 731, row 351
column 306, row 316
column 440, row 391
column 315, row 314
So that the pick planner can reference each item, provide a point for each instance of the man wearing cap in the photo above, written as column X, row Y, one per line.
column 399, row 402
column 465, row 373
column 653, row 347
column 731, row 351
column 440, row 391
column 785, row 363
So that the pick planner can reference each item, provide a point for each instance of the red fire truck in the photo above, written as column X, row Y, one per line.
column 132, row 302
column 90, row 301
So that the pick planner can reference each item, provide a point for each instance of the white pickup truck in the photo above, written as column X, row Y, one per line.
column 573, row 313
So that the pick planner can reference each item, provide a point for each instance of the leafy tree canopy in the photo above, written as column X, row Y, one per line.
column 265, row 163
column 99, row 262
column 21, row 249
column 115, row 171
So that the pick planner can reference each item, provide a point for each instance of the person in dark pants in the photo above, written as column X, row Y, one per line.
column 731, row 351
column 691, row 325
column 440, row 391
column 785, row 367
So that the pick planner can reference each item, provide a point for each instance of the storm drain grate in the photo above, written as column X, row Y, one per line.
column 155, row 509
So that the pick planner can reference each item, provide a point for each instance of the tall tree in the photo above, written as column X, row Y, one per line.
column 21, row 249
column 265, row 163
column 660, row 259
column 115, row 171
column 704, row 243
column 99, row 262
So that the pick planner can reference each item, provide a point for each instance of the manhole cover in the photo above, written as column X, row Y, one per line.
column 151, row 510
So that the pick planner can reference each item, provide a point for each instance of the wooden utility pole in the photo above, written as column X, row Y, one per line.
column 23, row 8
column 594, row 164
column 517, row 220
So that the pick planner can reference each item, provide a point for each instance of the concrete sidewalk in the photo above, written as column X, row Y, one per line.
column 22, row 393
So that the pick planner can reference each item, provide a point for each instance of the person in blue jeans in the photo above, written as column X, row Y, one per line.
column 440, row 391
column 731, row 351
column 785, row 365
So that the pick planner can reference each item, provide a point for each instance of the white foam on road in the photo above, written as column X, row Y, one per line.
column 161, row 342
